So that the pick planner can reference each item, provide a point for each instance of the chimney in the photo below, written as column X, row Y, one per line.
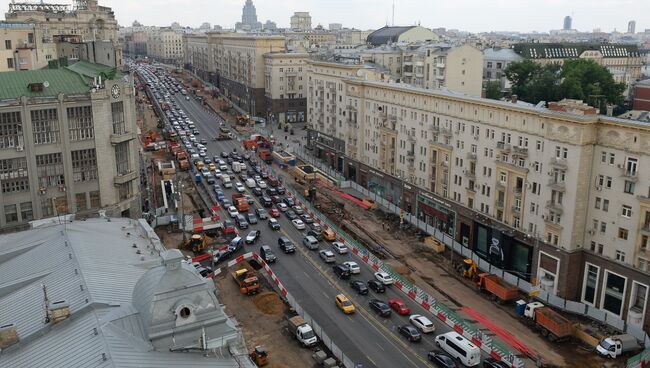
column 59, row 311
column 513, row 99
column 8, row 336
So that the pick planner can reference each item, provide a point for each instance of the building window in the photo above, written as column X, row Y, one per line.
column 47, row 207
column 84, row 165
column 8, row 44
column 614, row 289
column 603, row 157
column 13, row 175
column 629, row 187
column 26, row 211
column 80, row 199
column 10, row 63
column 612, row 158
column 46, row 126
column 620, row 256
column 622, row 233
column 117, row 111
column 605, row 205
column 598, row 202
column 638, row 297
column 80, row 122
column 95, row 199
column 122, row 158
column 11, row 130
column 49, row 169
column 591, row 283
column 608, row 182
column 11, row 214
column 124, row 191
column 626, row 211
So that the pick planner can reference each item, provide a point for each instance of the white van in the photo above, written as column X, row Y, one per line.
column 236, row 167
column 460, row 348
column 225, row 179
column 250, row 183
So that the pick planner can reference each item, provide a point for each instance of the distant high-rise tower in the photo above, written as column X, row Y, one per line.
column 249, row 18
column 631, row 26
column 567, row 23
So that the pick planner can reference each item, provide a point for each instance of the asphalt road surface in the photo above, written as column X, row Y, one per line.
column 364, row 337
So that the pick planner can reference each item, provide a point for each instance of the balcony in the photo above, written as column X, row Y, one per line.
column 520, row 151
column 504, row 147
column 121, row 138
column 630, row 175
column 351, row 107
column 411, row 138
column 645, row 228
column 501, row 184
column 470, row 174
column 440, row 77
column 471, row 156
column 446, row 132
column 444, row 163
column 560, row 163
column 517, row 191
column 499, row 204
column 121, row 179
column 557, row 185
column 434, row 128
column 440, row 65
column 391, row 117
column 410, row 156
column 554, row 206
column 516, row 210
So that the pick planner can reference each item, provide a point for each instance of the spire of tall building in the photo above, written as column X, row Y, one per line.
column 249, row 18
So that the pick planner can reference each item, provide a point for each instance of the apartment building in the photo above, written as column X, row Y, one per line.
column 496, row 60
column 67, row 144
column 301, row 21
column 555, row 196
column 285, row 86
column 166, row 45
column 197, row 54
column 22, row 47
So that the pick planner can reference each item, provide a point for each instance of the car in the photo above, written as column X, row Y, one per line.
column 217, row 173
column 422, row 323
column 207, row 161
column 291, row 215
column 340, row 248
column 265, row 175
column 257, row 191
column 274, row 224
column 252, row 236
column 384, row 278
column 286, row 245
column 376, row 286
column 261, row 213
column 344, row 304
column 316, row 234
column 380, row 307
column 359, row 286
column 353, row 266
column 271, row 191
column 241, row 222
column 342, row 271
column 251, row 218
column 282, row 207
column 210, row 179
column 249, row 199
column 220, row 197
column 224, row 154
column 399, row 306
column 276, row 199
column 262, row 184
column 212, row 167
column 239, row 187
column 203, row 153
column 289, row 201
column 316, row 227
column 306, row 218
column 310, row 242
column 298, row 210
column 274, row 212
column 281, row 190
column 203, row 140
column 327, row 256
column 445, row 361
column 230, row 174
column 267, row 254
column 226, row 203
column 266, row 201
column 410, row 332
column 232, row 211
column 205, row 171
column 298, row 224
column 217, row 188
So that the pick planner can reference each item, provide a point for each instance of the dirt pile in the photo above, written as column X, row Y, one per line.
column 269, row 303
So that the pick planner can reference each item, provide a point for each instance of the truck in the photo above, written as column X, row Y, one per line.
column 617, row 345
column 550, row 323
column 224, row 136
column 257, row 141
column 265, row 155
column 246, row 279
column 302, row 331
column 236, row 167
column 500, row 291
column 239, row 201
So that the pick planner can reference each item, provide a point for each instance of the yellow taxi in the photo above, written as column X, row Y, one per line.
column 344, row 304
column 212, row 167
column 329, row 235
column 199, row 165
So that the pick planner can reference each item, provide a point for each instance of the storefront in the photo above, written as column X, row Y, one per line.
column 436, row 213
column 503, row 250
column 385, row 186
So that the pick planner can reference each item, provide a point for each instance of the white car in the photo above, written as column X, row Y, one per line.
column 340, row 248
column 261, row 184
column 223, row 167
column 232, row 211
column 203, row 154
column 240, row 187
column 205, row 171
column 217, row 173
column 422, row 323
column 353, row 266
column 327, row 256
column 384, row 278
column 281, row 206
column 298, row 224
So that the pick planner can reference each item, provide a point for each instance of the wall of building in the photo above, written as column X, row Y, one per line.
column 641, row 97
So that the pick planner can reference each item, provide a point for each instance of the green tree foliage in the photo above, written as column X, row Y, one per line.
column 576, row 78
column 493, row 90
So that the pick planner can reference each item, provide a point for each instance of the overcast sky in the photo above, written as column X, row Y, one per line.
column 469, row 15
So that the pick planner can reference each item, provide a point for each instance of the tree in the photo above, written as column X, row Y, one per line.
column 493, row 90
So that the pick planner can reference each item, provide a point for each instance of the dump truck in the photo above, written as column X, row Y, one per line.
column 248, row 282
column 257, row 141
column 550, row 323
column 302, row 331
column 183, row 160
column 617, row 345
column 265, row 155
column 222, row 136
column 500, row 291
column 239, row 201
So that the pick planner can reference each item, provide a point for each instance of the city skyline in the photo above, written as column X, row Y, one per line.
column 466, row 15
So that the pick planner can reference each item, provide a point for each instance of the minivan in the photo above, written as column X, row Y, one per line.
column 241, row 222
column 267, row 254
column 286, row 245
column 460, row 348
column 310, row 242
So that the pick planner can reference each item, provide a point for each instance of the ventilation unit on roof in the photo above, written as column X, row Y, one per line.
column 8, row 336
column 59, row 311
column 35, row 87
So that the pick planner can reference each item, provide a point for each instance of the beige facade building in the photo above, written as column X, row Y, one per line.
column 166, row 45
column 285, row 86
column 67, row 145
column 301, row 21
column 22, row 47
column 555, row 196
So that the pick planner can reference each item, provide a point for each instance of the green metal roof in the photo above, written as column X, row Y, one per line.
column 16, row 84
column 90, row 71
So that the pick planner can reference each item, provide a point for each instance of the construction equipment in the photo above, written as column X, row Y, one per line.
column 257, row 141
column 240, row 202
column 550, row 323
column 248, row 282
column 500, row 291
column 469, row 269
column 265, row 155
column 197, row 243
column 259, row 356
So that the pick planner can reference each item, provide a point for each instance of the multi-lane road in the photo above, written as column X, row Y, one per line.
column 365, row 337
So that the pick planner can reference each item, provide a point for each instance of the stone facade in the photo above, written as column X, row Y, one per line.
column 22, row 47
column 285, row 86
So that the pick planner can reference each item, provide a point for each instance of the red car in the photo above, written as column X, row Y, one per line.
column 274, row 212
column 399, row 306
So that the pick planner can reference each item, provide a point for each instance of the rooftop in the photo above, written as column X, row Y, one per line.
column 93, row 267
column 386, row 35
column 574, row 50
